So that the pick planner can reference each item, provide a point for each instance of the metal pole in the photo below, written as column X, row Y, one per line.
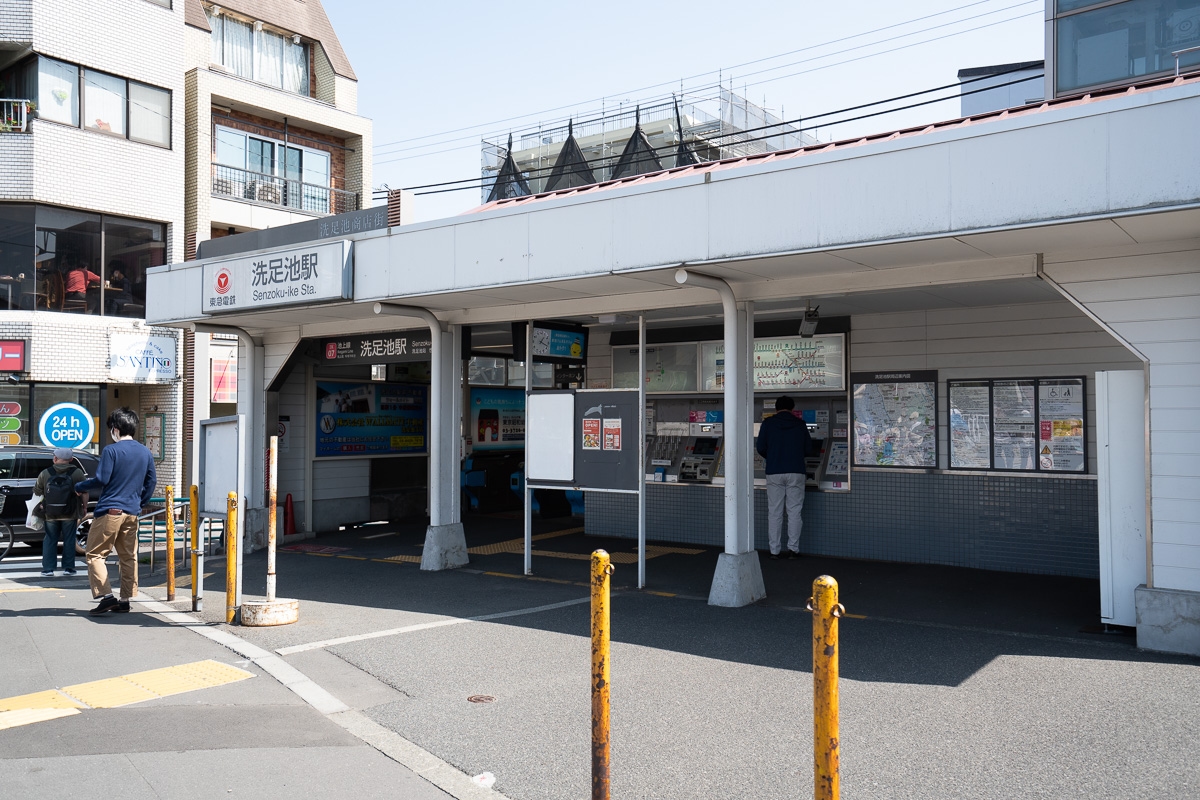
column 526, row 490
column 197, row 551
column 272, row 518
column 826, row 611
column 642, row 451
column 231, row 553
column 170, row 518
column 601, row 572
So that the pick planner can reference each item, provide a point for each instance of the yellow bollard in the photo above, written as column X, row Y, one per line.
column 169, row 514
column 826, row 611
column 601, row 571
column 197, row 568
column 231, row 534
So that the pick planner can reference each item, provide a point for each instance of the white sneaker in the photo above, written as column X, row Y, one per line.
column 47, row 573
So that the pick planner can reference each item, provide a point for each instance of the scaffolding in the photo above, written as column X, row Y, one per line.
column 726, row 125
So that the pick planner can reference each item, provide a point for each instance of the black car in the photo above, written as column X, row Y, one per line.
column 20, row 466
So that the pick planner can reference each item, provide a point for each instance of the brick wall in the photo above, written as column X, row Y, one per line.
column 16, row 20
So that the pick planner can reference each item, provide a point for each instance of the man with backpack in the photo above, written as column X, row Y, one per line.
column 63, row 509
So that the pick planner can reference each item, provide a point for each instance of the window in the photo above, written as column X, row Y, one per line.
column 104, row 102
column 58, row 91
column 251, row 51
column 149, row 114
column 298, row 176
column 1123, row 41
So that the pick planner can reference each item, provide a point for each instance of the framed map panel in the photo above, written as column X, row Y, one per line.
column 895, row 419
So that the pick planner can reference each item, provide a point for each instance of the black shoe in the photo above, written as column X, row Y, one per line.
column 107, row 604
column 122, row 607
column 793, row 553
column 774, row 556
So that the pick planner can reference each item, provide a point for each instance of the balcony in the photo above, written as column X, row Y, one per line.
column 277, row 192
column 14, row 115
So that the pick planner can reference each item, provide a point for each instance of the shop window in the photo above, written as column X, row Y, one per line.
column 131, row 247
column 68, row 261
column 14, row 415
column 543, row 374
column 16, row 256
column 484, row 371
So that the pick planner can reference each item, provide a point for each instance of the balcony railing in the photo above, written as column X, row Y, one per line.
column 275, row 191
column 14, row 115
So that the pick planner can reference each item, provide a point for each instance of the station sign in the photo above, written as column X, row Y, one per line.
column 297, row 275
column 67, row 425
column 391, row 347
column 141, row 358
column 13, row 354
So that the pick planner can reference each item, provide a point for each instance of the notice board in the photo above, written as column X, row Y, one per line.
column 585, row 439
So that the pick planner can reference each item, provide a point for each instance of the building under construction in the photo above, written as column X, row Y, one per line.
column 632, row 141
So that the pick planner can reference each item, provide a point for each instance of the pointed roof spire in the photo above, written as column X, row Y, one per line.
column 639, row 156
column 571, row 169
column 684, row 155
column 510, row 182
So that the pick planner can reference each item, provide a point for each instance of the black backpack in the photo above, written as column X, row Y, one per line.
column 61, row 502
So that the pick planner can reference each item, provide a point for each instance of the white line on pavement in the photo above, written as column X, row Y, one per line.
column 300, row 648
column 441, row 774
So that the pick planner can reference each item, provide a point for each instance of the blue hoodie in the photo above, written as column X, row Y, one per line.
column 783, row 441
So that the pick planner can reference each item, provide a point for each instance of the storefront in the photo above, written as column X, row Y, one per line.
column 957, row 276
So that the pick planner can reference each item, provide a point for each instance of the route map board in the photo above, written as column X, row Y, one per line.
column 895, row 419
column 970, row 424
column 791, row 363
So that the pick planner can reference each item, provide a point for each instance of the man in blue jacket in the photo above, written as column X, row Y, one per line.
column 783, row 441
column 126, row 478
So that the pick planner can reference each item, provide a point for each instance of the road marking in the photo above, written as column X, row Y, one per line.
column 4, row 590
column 300, row 648
column 124, row 690
column 355, row 558
column 381, row 535
column 28, row 716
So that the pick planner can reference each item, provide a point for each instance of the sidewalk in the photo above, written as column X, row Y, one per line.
column 250, row 738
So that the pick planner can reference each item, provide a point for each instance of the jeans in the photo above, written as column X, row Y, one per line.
column 56, row 528
column 781, row 486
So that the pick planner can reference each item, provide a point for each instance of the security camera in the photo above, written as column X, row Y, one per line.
column 13, row 378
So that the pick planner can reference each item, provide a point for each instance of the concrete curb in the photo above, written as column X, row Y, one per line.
column 440, row 773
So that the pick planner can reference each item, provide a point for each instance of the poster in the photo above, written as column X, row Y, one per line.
column 895, row 419
column 284, row 427
column 591, row 434
column 497, row 419
column 970, row 424
column 1014, row 438
column 612, row 434
column 790, row 363
column 357, row 419
column 557, row 343
column 1061, row 428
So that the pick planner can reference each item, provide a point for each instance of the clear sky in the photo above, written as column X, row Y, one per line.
column 438, row 77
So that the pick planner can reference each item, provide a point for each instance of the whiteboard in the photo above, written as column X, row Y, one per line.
column 220, row 463
column 549, row 440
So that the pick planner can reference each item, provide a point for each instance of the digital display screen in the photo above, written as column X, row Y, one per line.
column 706, row 446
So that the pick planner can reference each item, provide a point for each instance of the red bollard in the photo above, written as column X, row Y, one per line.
column 289, row 517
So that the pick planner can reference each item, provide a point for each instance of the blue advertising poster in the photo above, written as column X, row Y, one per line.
column 497, row 419
column 371, row 419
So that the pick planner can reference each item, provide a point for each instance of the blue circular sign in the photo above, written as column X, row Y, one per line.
column 67, row 425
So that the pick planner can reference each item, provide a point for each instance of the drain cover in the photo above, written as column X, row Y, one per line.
column 481, row 698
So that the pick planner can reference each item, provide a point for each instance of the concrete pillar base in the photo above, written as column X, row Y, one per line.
column 261, row 613
column 738, row 581
column 1168, row 620
column 445, row 547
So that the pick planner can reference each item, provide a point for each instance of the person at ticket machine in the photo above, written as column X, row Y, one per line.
column 783, row 441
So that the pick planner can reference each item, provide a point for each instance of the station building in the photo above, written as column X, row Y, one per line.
column 992, row 324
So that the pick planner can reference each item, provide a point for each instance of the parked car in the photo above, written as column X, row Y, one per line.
column 20, row 466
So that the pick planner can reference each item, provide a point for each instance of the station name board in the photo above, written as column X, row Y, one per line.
column 391, row 347
column 300, row 275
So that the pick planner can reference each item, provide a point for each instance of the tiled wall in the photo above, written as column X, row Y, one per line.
column 997, row 522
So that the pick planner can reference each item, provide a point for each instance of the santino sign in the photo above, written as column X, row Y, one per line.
column 140, row 358
column 300, row 274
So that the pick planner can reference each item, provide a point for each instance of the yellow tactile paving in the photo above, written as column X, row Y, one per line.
column 28, row 716
column 15, row 589
column 187, row 677
column 401, row 559
column 109, row 693
column 51, row 698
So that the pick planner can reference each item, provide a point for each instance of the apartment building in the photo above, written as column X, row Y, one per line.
column 91, row 176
